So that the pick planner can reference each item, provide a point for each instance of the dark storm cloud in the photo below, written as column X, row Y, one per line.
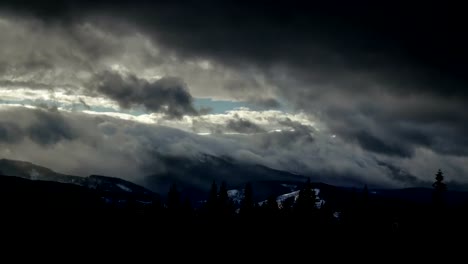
column 389, row 76
column 168, row 94
column 361, row 32
column 398, row 126
column 397, row 37
column 308, row 51
column 243, row 126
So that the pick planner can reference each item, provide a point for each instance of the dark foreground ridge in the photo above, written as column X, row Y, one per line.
column 103, row 211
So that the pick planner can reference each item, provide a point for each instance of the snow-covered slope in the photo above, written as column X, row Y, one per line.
column 31, row 171
column 237, row 196
column 280, row 199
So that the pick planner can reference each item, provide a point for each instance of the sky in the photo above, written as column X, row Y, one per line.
column 376, row 92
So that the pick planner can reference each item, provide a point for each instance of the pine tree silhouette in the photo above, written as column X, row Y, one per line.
column 155, row 208
column 272, row 204
column 365, row 195
column 305, row 204
column 364, row 215
column 211, row 205
column 287, row 206
column 270, row 208
column 224, row 203
column 173, row 200
column 438, row 184
column 247, row 203
column 438, row 203
column 223, row 194
column 439, row 190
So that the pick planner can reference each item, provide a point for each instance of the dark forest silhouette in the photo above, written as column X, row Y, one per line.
column 362, row 213
column 302, row 214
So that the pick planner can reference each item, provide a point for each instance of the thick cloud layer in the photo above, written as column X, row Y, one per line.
column 130, row 149
column 387, row 79
column 127, row 149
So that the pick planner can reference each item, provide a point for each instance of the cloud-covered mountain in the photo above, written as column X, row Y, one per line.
column 345, row 87
column 84, row 144
column 195, row 176
column 104, row 184
column 31, row 171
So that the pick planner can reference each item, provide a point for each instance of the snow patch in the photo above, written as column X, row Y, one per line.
column 319, row 203
column 235, row 195
column 123, row 187
column 283, row 197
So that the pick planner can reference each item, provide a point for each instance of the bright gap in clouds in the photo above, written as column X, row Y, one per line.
column 221, row 117
column 225, row 116
column 66, row 100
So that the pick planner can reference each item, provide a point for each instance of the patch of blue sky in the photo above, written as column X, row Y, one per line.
column 217, row 106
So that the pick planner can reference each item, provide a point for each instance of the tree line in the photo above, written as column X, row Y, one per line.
column 362, row 212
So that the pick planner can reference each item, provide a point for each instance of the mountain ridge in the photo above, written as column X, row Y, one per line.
column 193, row 179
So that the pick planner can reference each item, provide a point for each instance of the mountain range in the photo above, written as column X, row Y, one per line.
column 111, row 186
column 193, row 177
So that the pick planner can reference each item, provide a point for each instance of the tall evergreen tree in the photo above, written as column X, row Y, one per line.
column 155, row 208
column 173, row 199
column 272, row 204
column 223, row 193
column 287, row 206
column 186, row 207
column 364, row 203
column 212, row 201
column 247, row 203
column 439, row 190
column 270, row 208
column 305, row 203
column 224, row 203
column 438, row 184
column 365, row 194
